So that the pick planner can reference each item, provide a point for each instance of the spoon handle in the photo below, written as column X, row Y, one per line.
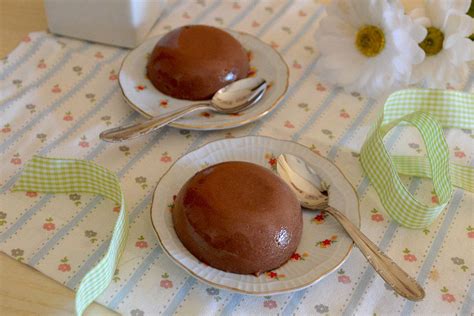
column 121, row 133
column 398, row 279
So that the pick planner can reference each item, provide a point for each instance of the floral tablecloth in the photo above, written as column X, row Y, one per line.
column 57, row 94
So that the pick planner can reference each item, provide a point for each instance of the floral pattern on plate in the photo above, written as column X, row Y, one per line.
column 322, row 249
column 141, row 95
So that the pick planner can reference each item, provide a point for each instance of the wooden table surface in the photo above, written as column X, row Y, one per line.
column 23, row 290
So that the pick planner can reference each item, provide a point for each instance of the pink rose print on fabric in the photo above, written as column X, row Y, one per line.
column 49, row 225
column 16, row 160
column 288, row 124
column 112, row 75
column 320, row 87
column 41, row 64
column 376, row 216
column 6, row 129
column 408, row 256
column 68, row 116
column 141, row 243
column 165, row 282
column 31, row 194
column 344, row 114
column 165, row 157
column 83, row 142
column 342, row 277
column 470, row 231
column 458, row 153
column 64, row 266
column 270, row 304
column 56, row 89
column 446, row 296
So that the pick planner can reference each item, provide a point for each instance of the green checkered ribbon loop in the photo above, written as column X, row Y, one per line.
column 66, row 176
column 429, row 111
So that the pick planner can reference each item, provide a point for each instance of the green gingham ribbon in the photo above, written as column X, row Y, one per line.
column 429, row 111
column 69, row 175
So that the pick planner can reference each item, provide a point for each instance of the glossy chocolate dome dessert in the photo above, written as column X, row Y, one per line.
column 193, row 62
column 238, row 217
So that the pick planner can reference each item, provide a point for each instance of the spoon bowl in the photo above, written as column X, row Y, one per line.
column 312, row 192
column 232, row 98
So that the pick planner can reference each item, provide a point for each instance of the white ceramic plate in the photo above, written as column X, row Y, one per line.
column 324, row 245
column 141, row 95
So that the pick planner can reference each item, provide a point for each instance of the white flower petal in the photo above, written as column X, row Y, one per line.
column 458, row 24
column 436, row 10
column 336, row 26
column 460, row 51
column 342, row 63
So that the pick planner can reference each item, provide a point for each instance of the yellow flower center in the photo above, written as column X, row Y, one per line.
column 433, row 42
column 370, row 40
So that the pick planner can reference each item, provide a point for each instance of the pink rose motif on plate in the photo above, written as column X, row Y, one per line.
column 165, row 282
column 302, row 13
column 31, row 194
column 272, row 160
column 274, row 45
column 255, row 24
column 141, row 243
column 288, row 124
column 164, row 103
column 140, row 87
column 252, row 72
column 236, row 6
column 186, row 15
column 298, row 257
column 26, row 39
column 270, row 304
column 319, row 218
column 326, row 243
column 98, row 55
column 64, row 266
column 408, row 256
column 274, row 275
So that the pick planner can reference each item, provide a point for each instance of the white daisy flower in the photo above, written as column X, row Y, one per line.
column 446, row 44
column 368, row 46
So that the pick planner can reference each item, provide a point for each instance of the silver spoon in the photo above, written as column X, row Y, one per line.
column 233, row 98
column 310, row 190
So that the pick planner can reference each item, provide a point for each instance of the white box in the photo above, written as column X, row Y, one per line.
column 116, row 22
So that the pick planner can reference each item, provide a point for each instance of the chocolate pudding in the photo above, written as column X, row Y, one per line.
column 238, row 217
column 193, row 62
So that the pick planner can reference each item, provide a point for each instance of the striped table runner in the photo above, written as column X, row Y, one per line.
column 57, row 94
